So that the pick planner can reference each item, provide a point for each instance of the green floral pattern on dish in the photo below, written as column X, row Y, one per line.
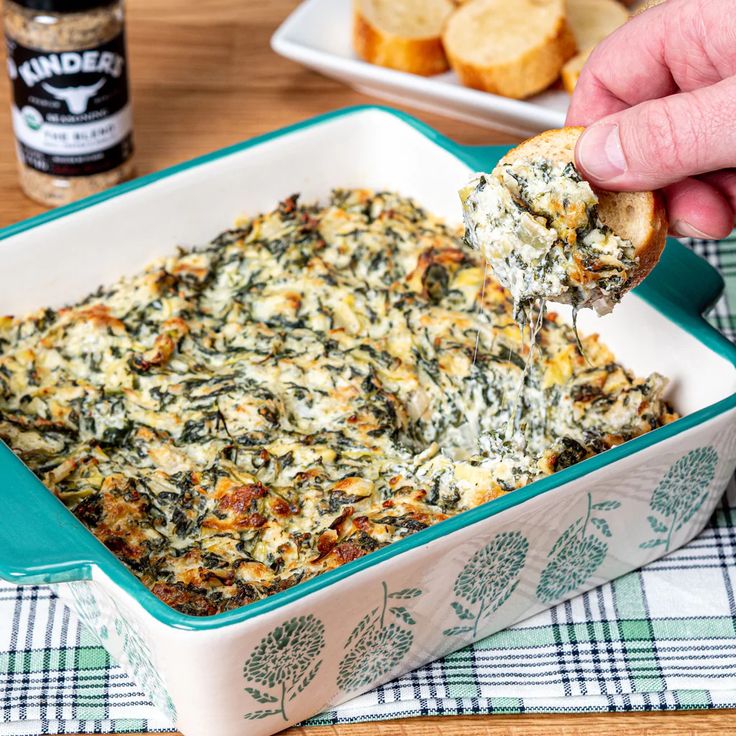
column 488, row 580
column 680, row 494
column 377, row 644
column 284, row 660
column 577, row 554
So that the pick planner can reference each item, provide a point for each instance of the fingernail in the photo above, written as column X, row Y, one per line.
column 686, row 230
column 600, row 154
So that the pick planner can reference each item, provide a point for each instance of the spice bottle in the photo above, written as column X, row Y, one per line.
column 71, row 113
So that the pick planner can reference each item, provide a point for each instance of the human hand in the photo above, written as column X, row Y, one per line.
column 659, row 97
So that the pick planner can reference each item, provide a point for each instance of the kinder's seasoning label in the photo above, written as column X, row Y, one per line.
column 71, row 114
column 71, row 110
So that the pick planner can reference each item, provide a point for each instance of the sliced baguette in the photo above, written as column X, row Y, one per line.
column 645, row 5
column 592, row 20
column 571, row 70
column 639, row 217
column 514, row 48
column 402, row 34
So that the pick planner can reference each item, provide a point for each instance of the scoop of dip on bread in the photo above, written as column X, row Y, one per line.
column 548, row 235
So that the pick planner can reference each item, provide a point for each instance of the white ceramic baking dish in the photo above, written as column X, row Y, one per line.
column 273, row 663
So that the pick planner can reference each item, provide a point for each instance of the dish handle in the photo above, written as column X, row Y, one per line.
column 482, row 158
column 684, row 279
column 40, row 540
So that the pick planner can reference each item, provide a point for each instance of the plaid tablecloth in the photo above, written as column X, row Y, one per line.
column 660, row 638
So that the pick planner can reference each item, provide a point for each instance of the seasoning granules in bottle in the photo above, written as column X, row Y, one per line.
column 71, row 113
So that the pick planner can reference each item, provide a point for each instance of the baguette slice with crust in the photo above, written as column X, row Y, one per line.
column 592, row 20
column 571, row 70
column 548, row 235
column 514, row 48
column 645, row 5
column 402, row 34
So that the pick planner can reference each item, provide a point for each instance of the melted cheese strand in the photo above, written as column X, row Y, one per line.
column 480, row 307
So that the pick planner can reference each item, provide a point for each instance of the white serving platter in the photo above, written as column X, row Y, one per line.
column 318, row 34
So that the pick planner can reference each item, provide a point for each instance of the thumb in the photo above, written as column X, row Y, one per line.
column 662, row 141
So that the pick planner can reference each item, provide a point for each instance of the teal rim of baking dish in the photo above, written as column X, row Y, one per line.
column 58, row 547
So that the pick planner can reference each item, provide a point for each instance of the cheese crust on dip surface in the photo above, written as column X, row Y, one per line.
column 316, row 383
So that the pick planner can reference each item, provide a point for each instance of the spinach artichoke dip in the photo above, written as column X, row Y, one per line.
column 316, row 383
column 536, row 222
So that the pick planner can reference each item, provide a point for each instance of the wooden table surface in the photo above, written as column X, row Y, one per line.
column 204, row 76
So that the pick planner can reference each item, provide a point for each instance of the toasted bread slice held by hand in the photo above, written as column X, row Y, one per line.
column 511, row 48
column 402, row 34
column 640, row 218
column 549, row 235
column 592, row 20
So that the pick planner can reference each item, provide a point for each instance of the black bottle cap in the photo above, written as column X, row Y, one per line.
column 63, row 6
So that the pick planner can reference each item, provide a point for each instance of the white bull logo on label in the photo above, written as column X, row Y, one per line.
column 76, row 98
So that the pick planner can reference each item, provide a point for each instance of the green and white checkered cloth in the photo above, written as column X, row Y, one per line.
column 661, row 638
